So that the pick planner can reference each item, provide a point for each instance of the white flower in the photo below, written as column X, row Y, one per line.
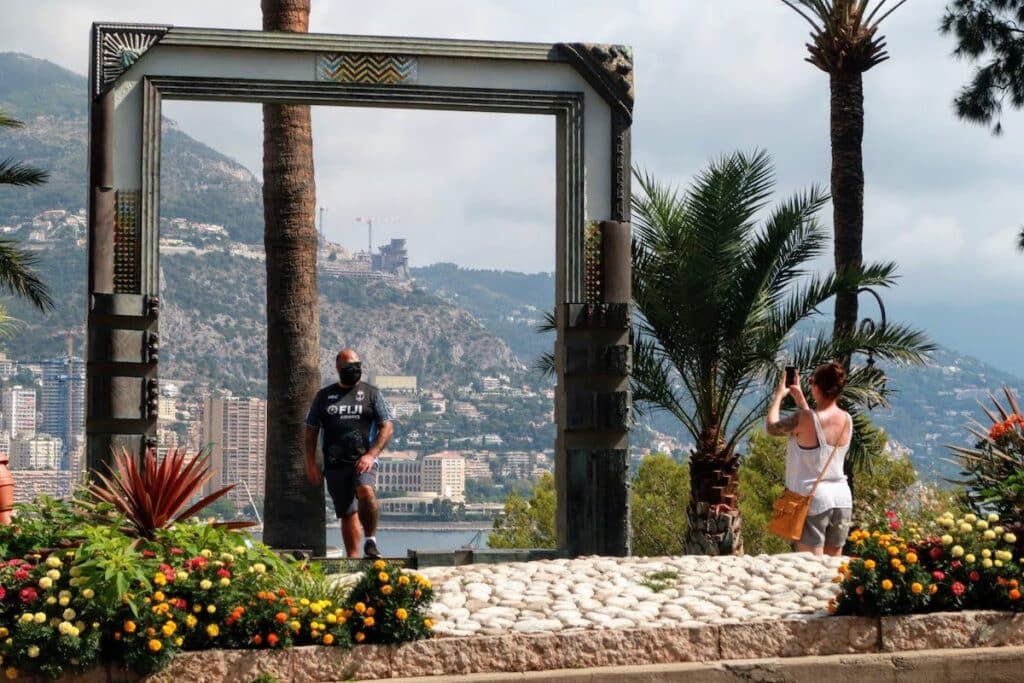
column 261, row 568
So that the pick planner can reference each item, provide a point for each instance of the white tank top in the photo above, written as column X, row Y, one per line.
column 804, row 464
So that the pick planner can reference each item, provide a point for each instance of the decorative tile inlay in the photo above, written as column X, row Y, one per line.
column 118, row 48
column 347, row 67
column 592, row 262
column 126, row 242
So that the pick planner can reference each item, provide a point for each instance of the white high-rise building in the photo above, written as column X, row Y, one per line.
column 235, row 430
column 445, row 474
column 19, row 406
column 36, row 452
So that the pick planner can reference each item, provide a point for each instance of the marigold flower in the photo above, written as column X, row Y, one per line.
column 417, row 594
column 386, row 589
column 957, row 551
column 429, row 623
column 933, row 589
column 281, row 617
column 886, row 585
column 986, row 563
column 383, row 577
column 212, row 630
column 190, row 621
column 1009, row 538
column 296, row 625
column 360, row 636
column 169, row 628
column 32, row 651
column 368, row 622
column 869, row 564
column 129, row 626
column 401, row 614
column 155, row 645
column 328, row 639
column 39, row 617
column 969, row 558
column 225, row 581
column 379, row 565
column 257, row 639
column 911, row 558
column 403, row 580
column 359, row 607
column 916, row 588
column 206, row 584
column 11, row 673
column 160, row 579
column 958, row 588
column 1014, row 594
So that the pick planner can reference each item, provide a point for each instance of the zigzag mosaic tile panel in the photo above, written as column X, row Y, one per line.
column 347, row 67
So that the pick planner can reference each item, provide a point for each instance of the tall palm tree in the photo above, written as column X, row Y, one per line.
column 717, row 299
column 16, row 266
column 294, row 510
column 844, row 44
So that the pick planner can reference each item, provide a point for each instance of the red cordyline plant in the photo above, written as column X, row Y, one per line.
column 151, row 496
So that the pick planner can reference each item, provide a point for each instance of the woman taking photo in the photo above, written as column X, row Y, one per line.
column 819, row 439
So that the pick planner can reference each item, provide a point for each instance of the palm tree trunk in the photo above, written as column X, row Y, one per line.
column 713, row 515
column 293, row 510
column 847, row 129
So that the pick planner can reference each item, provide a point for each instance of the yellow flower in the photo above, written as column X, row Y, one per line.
column 304, row 602
column 159, row 579
column 11, row 673
column 32, row 651
column 159, row 595
column 902, row 569
column 895, row 562
column 933, row 589
column 53, row 574
column 401, row 614
column 429, row 623
column 190, row 621
column 178, row 641
column 155, row 645
column 981, row 524
column 379, row 565
column 39, row 617
column 869, row 564
column 53, row 561
column 970, row 518
column 205, row 584
column 989, row 535
column 4, row 632
column 403, row 580
column 911, row 558
column 169, row 628
column 986, row 553
column 1010, row 538
column 181, row 576
column 886, row 584
column 88, row 593
column 386, row 589
column 212, row 630
column 916, row 587
column 211, row 608
column 969, row 558
column 966, row 528
column 957, row 551
column 383, row 576
column 45, row 582
column 986, row 563
column 296, row 625
column 360, row 637
column 224, row 581
column 69, row 614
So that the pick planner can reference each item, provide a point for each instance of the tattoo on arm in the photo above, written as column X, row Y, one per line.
column 786, row 425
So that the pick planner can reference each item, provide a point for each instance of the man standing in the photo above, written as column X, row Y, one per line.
column 357, row 425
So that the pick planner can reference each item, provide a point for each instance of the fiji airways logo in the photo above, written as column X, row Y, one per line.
column 344, row 410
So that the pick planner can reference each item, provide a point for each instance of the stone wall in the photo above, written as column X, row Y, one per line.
column 821, row 636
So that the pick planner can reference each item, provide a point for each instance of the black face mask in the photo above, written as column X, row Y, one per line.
column 350, row 373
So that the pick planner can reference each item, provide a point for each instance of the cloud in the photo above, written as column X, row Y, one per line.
column 941, row 196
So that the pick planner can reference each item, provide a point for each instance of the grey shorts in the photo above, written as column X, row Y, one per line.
column 827, row 529
column 341, row 484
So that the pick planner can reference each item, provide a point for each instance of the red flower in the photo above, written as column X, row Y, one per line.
column 224, row 573
column 148, row 553
column 938, row 576
column 894, row 525
column 890, row 514
column 28, row 594
column 3, row 592
column 21, row 574
column 958, row 588
column 955, row 564
column 176, row 551
column 15, row 561
column 974, row 576
column 935, row 553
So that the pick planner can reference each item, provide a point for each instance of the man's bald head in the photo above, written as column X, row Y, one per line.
column 346, row 356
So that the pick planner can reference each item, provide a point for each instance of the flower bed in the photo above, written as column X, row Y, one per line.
column 117, row 577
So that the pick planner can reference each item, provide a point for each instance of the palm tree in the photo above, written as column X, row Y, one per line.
column 845, row 44
column 717, row 300
column 16, row 266
column 294, row 510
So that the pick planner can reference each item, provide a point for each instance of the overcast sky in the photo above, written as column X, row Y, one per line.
column 942, row 197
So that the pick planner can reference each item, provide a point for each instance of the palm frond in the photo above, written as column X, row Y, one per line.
column 18, row 174
column 17, row 275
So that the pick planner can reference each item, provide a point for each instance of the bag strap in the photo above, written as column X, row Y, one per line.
column 827, row 462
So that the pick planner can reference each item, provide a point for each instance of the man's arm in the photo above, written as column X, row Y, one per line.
column 313, row 474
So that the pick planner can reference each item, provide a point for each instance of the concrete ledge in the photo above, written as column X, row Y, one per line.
column 886, row 645
column 992, row 665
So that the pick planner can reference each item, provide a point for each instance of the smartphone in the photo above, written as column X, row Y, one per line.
column 790, row 375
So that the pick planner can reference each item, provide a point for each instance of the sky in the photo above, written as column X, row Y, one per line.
column 942, row 196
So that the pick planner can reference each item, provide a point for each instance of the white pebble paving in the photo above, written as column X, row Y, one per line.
column 607, row 593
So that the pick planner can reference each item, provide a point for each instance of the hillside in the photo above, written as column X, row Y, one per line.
column 213, row 323
column 930, row 405
column 196, row 181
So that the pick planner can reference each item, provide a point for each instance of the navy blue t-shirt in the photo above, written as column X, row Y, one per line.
column 349, row 417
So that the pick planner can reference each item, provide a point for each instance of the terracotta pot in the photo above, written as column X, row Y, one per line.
column 6, row 492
